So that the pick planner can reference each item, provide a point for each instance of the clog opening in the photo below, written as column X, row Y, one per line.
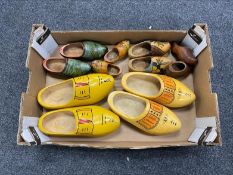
column 141, row 49
column 73, row 50
column 128, row 105
column 60, row 123
column 141, row 64
column 112, row 55
column 144, row 85
column 113, row 70
column 59, row 94
column 56, row 65
column 178, row 66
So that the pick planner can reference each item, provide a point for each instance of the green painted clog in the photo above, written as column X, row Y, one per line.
column 67, row 67
column 88, row 50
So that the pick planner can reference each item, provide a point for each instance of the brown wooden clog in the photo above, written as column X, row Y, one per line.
column 67, row 67
column 184, row 54
column 149, row 64
column 149, row 48
column 177, row 69
column 118, row 52
column 99, row 66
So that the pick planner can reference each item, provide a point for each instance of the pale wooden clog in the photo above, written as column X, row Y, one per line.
column 149, row 48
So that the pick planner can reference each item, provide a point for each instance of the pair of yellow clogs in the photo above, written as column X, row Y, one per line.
column 144, row 106
column 78, row 121
column 145, row 109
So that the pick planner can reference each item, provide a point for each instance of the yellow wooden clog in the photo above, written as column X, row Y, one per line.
column 87, row 121
column 147, row 115
column 160, row 88
column 79, row 91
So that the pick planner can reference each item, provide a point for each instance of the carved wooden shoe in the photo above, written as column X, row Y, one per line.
column 85, row 121
column 177, row 69
column 184, row 54
column 78, row 91
column 66, row 67
column 149, row 48
column 149, row 64
column 88, row 50
column 99, row 66
column 159, row 88
column 149, row 116
column 118, row 52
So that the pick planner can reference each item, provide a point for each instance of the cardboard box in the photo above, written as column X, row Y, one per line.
column 127, row 136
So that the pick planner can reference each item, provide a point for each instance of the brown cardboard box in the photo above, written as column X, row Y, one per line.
column 127, row 136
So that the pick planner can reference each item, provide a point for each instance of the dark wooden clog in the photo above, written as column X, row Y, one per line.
column 177, row 69
column 184, row 54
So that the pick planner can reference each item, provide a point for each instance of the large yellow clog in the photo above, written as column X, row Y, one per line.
column 87, row 121
column 147, row 115
column 83, row 90
column 160, row 88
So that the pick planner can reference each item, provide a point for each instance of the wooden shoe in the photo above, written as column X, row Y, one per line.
column 184, row 54
column 88, row 50
column 79, row 91
column 118, row 52
column 149, row 64
column 149, row 48
column 67, row 67
column 160, row 88
column 177, row 69
column 146, row 115
column 99, row 66
column 89, row 121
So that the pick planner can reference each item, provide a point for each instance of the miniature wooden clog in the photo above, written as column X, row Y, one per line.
column 160, row 88
column 90, row 121
column 149, row 64
column 184, row 54
column 67, row 67
column 83, row 90
column 118, row 52
column 88, row 50
column 177, row 69
column 99, row 66
column 146, row 115
column 149, row 48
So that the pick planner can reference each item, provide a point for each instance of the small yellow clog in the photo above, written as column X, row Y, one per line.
column 87, row 121
column 79, row 91
column 147, row 115
column 160, row 88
